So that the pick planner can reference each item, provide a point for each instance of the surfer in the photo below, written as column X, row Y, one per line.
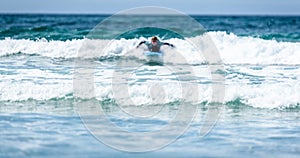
column 155, row 44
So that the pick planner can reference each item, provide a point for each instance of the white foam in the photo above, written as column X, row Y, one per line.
column 232, row 49
column 55, row 49
column 259, row 96
column 265, row 95
column 28, row 90
column 249, row 50
column 280, row 87
column 34, row 84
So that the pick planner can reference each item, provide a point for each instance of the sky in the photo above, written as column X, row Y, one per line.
column 215, row 7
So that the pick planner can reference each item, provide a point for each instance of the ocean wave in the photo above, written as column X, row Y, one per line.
column 67, row 105
column 267, row 96
column 249, row 50
column 233, row 49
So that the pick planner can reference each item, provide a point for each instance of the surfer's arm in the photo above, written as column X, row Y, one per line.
column 168, row 44
column 140, row 44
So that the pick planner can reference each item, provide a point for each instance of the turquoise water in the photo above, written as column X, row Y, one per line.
column 38, row 110
column 68, row 27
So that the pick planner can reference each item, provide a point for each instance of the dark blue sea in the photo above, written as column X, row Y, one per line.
column 77, row 86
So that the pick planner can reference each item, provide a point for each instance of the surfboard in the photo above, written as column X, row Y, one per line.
column 154, row 58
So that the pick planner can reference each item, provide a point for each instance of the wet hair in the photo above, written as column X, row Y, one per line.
column 154, row 38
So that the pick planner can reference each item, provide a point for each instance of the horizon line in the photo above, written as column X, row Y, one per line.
column 191, row 14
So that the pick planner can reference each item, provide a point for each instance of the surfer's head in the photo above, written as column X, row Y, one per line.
column 154, row 40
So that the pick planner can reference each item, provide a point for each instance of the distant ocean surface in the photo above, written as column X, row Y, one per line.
column 261, row 115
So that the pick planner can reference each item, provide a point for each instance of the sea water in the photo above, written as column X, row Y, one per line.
column 261, row 107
